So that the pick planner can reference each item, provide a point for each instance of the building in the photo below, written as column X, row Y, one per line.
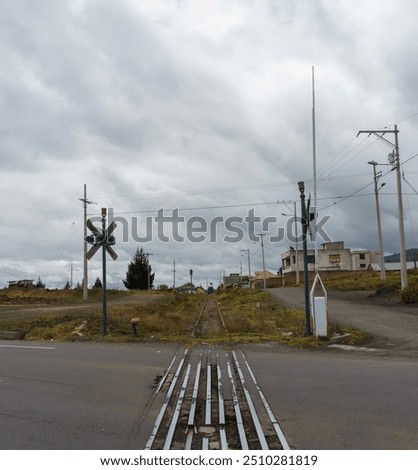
column 21, row 284
column 236, row 280
column 332, row 256
column 272, row 280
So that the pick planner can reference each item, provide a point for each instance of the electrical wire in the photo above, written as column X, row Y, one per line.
column 64, row 244
column 147, row 211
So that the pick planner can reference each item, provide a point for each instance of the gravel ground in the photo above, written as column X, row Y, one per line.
column 393, row 327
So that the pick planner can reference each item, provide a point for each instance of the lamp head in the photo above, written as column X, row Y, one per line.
column 301, row 185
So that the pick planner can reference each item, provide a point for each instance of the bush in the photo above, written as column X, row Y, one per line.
column 410, row 295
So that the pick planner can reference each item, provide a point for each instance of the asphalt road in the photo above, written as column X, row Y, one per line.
column 76, row 395
column 340, row 400
column 100, row 396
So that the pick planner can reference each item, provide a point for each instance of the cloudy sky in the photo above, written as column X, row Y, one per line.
column 204, row 106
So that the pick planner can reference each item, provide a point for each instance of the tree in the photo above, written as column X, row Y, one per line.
column 67, row 285
column 97, row 284
column 139, row 270
column 40, row 284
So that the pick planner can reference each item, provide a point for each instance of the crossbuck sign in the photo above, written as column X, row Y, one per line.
column 99, row 239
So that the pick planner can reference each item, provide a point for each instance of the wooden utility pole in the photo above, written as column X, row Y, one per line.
column 85, row 201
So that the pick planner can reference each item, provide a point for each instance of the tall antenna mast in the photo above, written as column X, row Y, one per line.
column 315, row 207
column 319, row 304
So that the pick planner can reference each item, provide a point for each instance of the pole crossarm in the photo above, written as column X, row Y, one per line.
column 380, row 134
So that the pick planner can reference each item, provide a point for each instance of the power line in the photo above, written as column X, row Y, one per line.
column 190, row 192
column 64, row 244
column 343, row 198
column 198, row 208
column 401, row 120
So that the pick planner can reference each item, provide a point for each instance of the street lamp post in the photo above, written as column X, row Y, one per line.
column 305, row 221
column 379, row 224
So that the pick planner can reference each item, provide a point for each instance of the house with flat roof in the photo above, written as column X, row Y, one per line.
column 332, row 256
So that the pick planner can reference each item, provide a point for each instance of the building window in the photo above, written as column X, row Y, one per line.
column 362, row 265
column 294, row 259
column 335, row 259
column 362, row 256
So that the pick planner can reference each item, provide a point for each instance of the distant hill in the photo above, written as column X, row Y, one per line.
column 411, row 255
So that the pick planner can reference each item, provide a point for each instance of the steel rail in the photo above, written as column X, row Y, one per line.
column 254, row 415
column 173, row 424
column 199, row 316
column 238, row 415
column 192, row 412
column 221, row 408
column 164, row 377
column 220, row 314
column 277, row 428
column 208, row 401
column 165, row 404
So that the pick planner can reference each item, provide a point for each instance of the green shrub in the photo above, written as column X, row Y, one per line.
column 410, row 295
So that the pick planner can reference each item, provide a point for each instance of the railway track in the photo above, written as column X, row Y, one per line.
column 210, row 398
column 210, row 319
column 212, row 401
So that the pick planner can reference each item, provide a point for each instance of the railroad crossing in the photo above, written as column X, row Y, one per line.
column 212, row 401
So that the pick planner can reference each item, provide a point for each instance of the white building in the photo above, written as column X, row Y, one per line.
column 333, row 256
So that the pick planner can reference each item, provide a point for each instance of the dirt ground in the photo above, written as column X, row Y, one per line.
column 392, row 326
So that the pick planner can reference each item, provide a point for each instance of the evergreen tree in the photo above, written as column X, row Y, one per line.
column 138, row 270
column 67, row 285
column 40, row 284
column 97, row 284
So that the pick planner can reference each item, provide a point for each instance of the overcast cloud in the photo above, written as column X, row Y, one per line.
column 204, row 106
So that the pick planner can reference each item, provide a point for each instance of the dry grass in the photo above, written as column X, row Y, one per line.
column 250, row 316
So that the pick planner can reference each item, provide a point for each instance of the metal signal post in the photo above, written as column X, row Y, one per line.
column 103, row 239
column 305, row 223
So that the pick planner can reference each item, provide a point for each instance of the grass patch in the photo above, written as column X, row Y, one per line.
column 250, row 316
column 366, row 281
column 55, row 297
column 370, row 281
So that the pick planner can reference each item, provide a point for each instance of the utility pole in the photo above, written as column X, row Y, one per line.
column 85, row 201
column 397, row 166
column 249, row 265
column 379, row 224
column 264, row 264
column 174, row 273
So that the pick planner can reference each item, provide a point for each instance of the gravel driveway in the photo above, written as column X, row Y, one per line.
column 392, row 327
